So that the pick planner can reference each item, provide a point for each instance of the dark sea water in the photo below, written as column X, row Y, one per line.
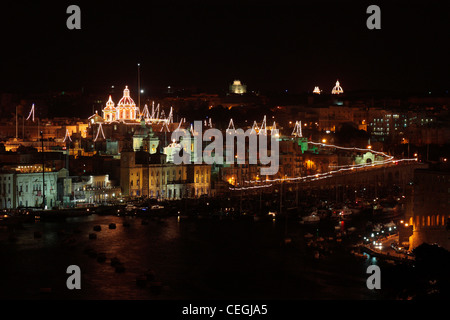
column 192, row 259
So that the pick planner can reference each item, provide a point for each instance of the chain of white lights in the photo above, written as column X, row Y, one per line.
column 297, row 132
column 165, row 127
column 352, row 148
column 31, row 114
column 231, row 125
column 328, row 174
column 145, row 113
column 67, row 136
column 100, row 128
column 252, row 187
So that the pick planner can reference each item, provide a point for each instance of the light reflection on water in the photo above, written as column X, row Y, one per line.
column 193, row 259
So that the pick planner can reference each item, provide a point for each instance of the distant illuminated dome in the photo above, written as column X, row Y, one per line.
column 126, row 99
column 126, row 108
column 109, row 112
column 238, row 88
column 316, row 90
column 337, row 89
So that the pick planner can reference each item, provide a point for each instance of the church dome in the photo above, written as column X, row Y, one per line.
column 126, row 99
column 337, row 88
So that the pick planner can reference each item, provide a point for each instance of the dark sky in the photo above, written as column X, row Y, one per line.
column 269, row 45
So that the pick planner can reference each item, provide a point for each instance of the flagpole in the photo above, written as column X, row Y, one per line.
column 139, row 86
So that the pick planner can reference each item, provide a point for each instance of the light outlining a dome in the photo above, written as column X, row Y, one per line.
column 126, row 108
column 337, row 89
column 126, row 99
column 316, row 90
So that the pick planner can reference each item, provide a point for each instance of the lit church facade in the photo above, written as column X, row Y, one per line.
column 126, row 109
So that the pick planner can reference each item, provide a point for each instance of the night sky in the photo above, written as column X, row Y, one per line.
column 268, row 45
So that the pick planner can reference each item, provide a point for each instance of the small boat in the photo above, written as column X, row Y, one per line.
column 335, row 215
column 312, row 218
column 345, row 213
column 130, row 208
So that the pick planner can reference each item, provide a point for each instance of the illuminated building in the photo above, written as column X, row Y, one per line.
column 337, row 89
column 126, row 108
column 238, row 88
column 144, row 138
column 150, row 175
column 21, row 186
column 109, row 112
column 171, row 149
column 95, row 118
column 330, row 118
column 316, row 90
column 94, row 189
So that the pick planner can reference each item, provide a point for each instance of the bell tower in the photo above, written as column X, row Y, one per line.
column 127, row 162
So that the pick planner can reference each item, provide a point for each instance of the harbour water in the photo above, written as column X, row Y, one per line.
column 191, row 259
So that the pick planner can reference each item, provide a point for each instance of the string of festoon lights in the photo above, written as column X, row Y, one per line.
column 386, row 156
column 339, row 169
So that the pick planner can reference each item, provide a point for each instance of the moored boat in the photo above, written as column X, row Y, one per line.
column 345, row 213
column 310, row 219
